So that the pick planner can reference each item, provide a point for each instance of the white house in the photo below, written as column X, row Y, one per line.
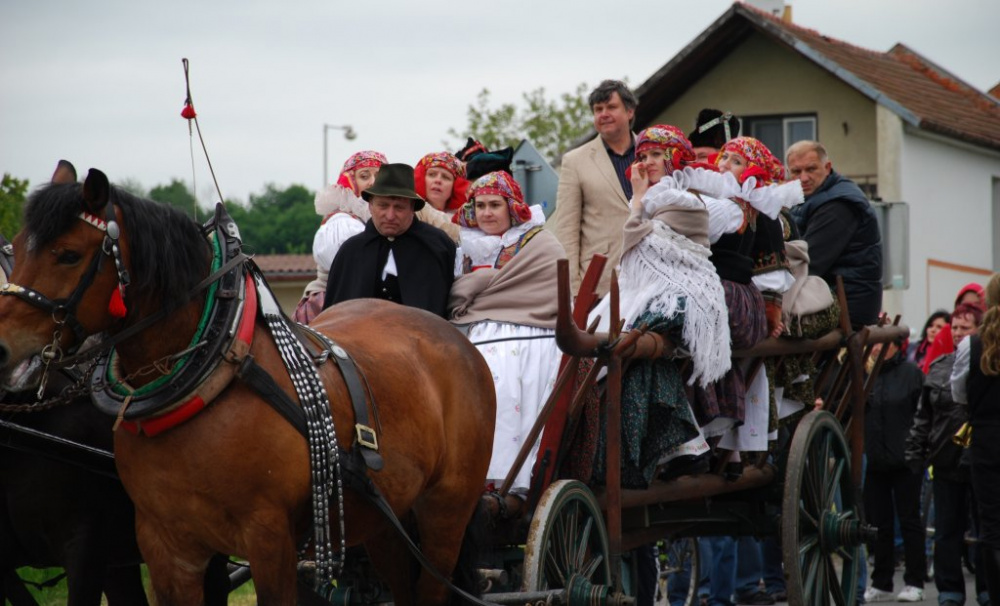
column 919, row 140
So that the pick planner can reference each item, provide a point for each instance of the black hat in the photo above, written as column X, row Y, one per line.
column 394, row 180
column 710, row 130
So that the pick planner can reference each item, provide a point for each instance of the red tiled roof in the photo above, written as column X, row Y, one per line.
column 287, row 267
column 920, row 92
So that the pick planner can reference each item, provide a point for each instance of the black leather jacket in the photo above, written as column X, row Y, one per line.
column 891, row 406
column 935, row 423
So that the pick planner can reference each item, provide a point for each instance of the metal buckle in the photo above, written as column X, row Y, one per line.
column 366, row 436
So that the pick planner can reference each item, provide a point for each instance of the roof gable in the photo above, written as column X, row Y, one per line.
column 921, row 93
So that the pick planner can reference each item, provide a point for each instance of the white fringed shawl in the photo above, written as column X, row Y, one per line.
column 665, row 265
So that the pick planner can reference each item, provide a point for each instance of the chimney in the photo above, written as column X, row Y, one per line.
column 771, row 7
column 787, row 15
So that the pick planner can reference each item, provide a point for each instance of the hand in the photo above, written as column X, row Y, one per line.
column 640, row 180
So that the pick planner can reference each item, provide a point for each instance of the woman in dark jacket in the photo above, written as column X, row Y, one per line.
column 917, row 350
column 892, row 490
column 976, row 379
column 930, row 443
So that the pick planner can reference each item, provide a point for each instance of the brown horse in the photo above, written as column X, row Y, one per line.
column 235, row 478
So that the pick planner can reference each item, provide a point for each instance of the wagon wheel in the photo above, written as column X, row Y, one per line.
column 680, row 557
column 822, row 530
column 567, row 545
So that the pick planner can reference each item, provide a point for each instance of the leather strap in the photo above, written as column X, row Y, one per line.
column 365, row 437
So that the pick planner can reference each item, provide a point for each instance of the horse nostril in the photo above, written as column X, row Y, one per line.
column 4, row 354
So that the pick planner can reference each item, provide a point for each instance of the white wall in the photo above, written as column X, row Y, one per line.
column 949, row 190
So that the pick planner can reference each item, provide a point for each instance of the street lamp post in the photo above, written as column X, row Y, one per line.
column 349, row 134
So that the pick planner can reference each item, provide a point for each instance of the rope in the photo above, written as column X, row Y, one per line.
column 194, row 117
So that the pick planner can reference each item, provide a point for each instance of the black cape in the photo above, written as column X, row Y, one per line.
column 425, row 259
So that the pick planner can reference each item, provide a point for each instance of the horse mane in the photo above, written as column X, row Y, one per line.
column 168, row 255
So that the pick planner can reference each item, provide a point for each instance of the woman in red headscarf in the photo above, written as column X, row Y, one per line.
column 344, row 215
column 972, row 294
column 440, row 179
column 506, row 300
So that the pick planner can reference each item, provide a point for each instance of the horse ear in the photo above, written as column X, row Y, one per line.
column 65, row 173
column 96, row 190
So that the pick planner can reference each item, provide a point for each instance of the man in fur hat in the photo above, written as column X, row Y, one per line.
column 397, row 257
column 713, row 130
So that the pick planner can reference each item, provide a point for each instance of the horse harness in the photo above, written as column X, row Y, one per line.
column 219, row 354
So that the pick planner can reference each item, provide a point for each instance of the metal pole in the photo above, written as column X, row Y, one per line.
column 325, row 128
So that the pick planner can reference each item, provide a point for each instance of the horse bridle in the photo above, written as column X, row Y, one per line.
column 63, row 310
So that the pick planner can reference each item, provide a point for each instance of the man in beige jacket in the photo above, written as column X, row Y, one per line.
column 593, row 197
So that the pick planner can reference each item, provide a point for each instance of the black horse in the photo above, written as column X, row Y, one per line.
column 61, row 505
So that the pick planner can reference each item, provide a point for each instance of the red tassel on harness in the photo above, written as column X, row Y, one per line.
column 188, row 112
column 116, row 306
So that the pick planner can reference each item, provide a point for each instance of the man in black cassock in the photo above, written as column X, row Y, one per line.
column 397, row 258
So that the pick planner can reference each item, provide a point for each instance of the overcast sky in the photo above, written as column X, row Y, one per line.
column 101, row 83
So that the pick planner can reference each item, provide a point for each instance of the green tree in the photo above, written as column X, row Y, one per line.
column 550, row 124
column 12, row 195
column 277, row 221
column 134, row 187
column 176, row 194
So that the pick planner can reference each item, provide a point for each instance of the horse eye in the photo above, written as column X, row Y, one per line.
column 68, row 257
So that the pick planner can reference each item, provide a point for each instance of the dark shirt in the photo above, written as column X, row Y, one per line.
column 621, row 162
column 831, row 227
column 425, row 259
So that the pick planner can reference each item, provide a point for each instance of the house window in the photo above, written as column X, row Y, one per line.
column 778, row 133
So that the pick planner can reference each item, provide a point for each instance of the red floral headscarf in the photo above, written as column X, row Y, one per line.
column 761, row 163
column 671, row 139
column 451, row 164
column 497, row 183
column 362, row 159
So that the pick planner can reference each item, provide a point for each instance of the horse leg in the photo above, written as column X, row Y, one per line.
column 12, row 588
column 443, row 532
column 123, row 586
column 272, row 557
column 394, row 563
column 86, row 564
column 176, row 570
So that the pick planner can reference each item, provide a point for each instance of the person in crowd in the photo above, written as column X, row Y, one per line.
column 344, row 215
column 892, row 489
column 973, row 294
column 975, row 379
column 440, row 179
column 479, row 160
column 397, row 257
column 746, row 157
column 592, row 202
column 668, row 282
column 505, row 299
column 917, row 350
column 931, row 443
column 839, row 225
column 712, row 130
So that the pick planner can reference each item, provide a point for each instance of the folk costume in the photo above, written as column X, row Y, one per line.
column 668, row 283
column 344, row 215
column 734, row 208
column 415, row 268
column 506, row 298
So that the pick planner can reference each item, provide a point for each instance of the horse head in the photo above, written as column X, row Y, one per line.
column 74, row 261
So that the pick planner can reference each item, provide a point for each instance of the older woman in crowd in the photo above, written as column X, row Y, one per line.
column 344, row 215
column 505, row 298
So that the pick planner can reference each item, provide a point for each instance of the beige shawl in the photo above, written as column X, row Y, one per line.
column 523, row 292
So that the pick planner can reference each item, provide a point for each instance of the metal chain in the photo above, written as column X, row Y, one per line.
column 66, row 396
column 324, row 451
